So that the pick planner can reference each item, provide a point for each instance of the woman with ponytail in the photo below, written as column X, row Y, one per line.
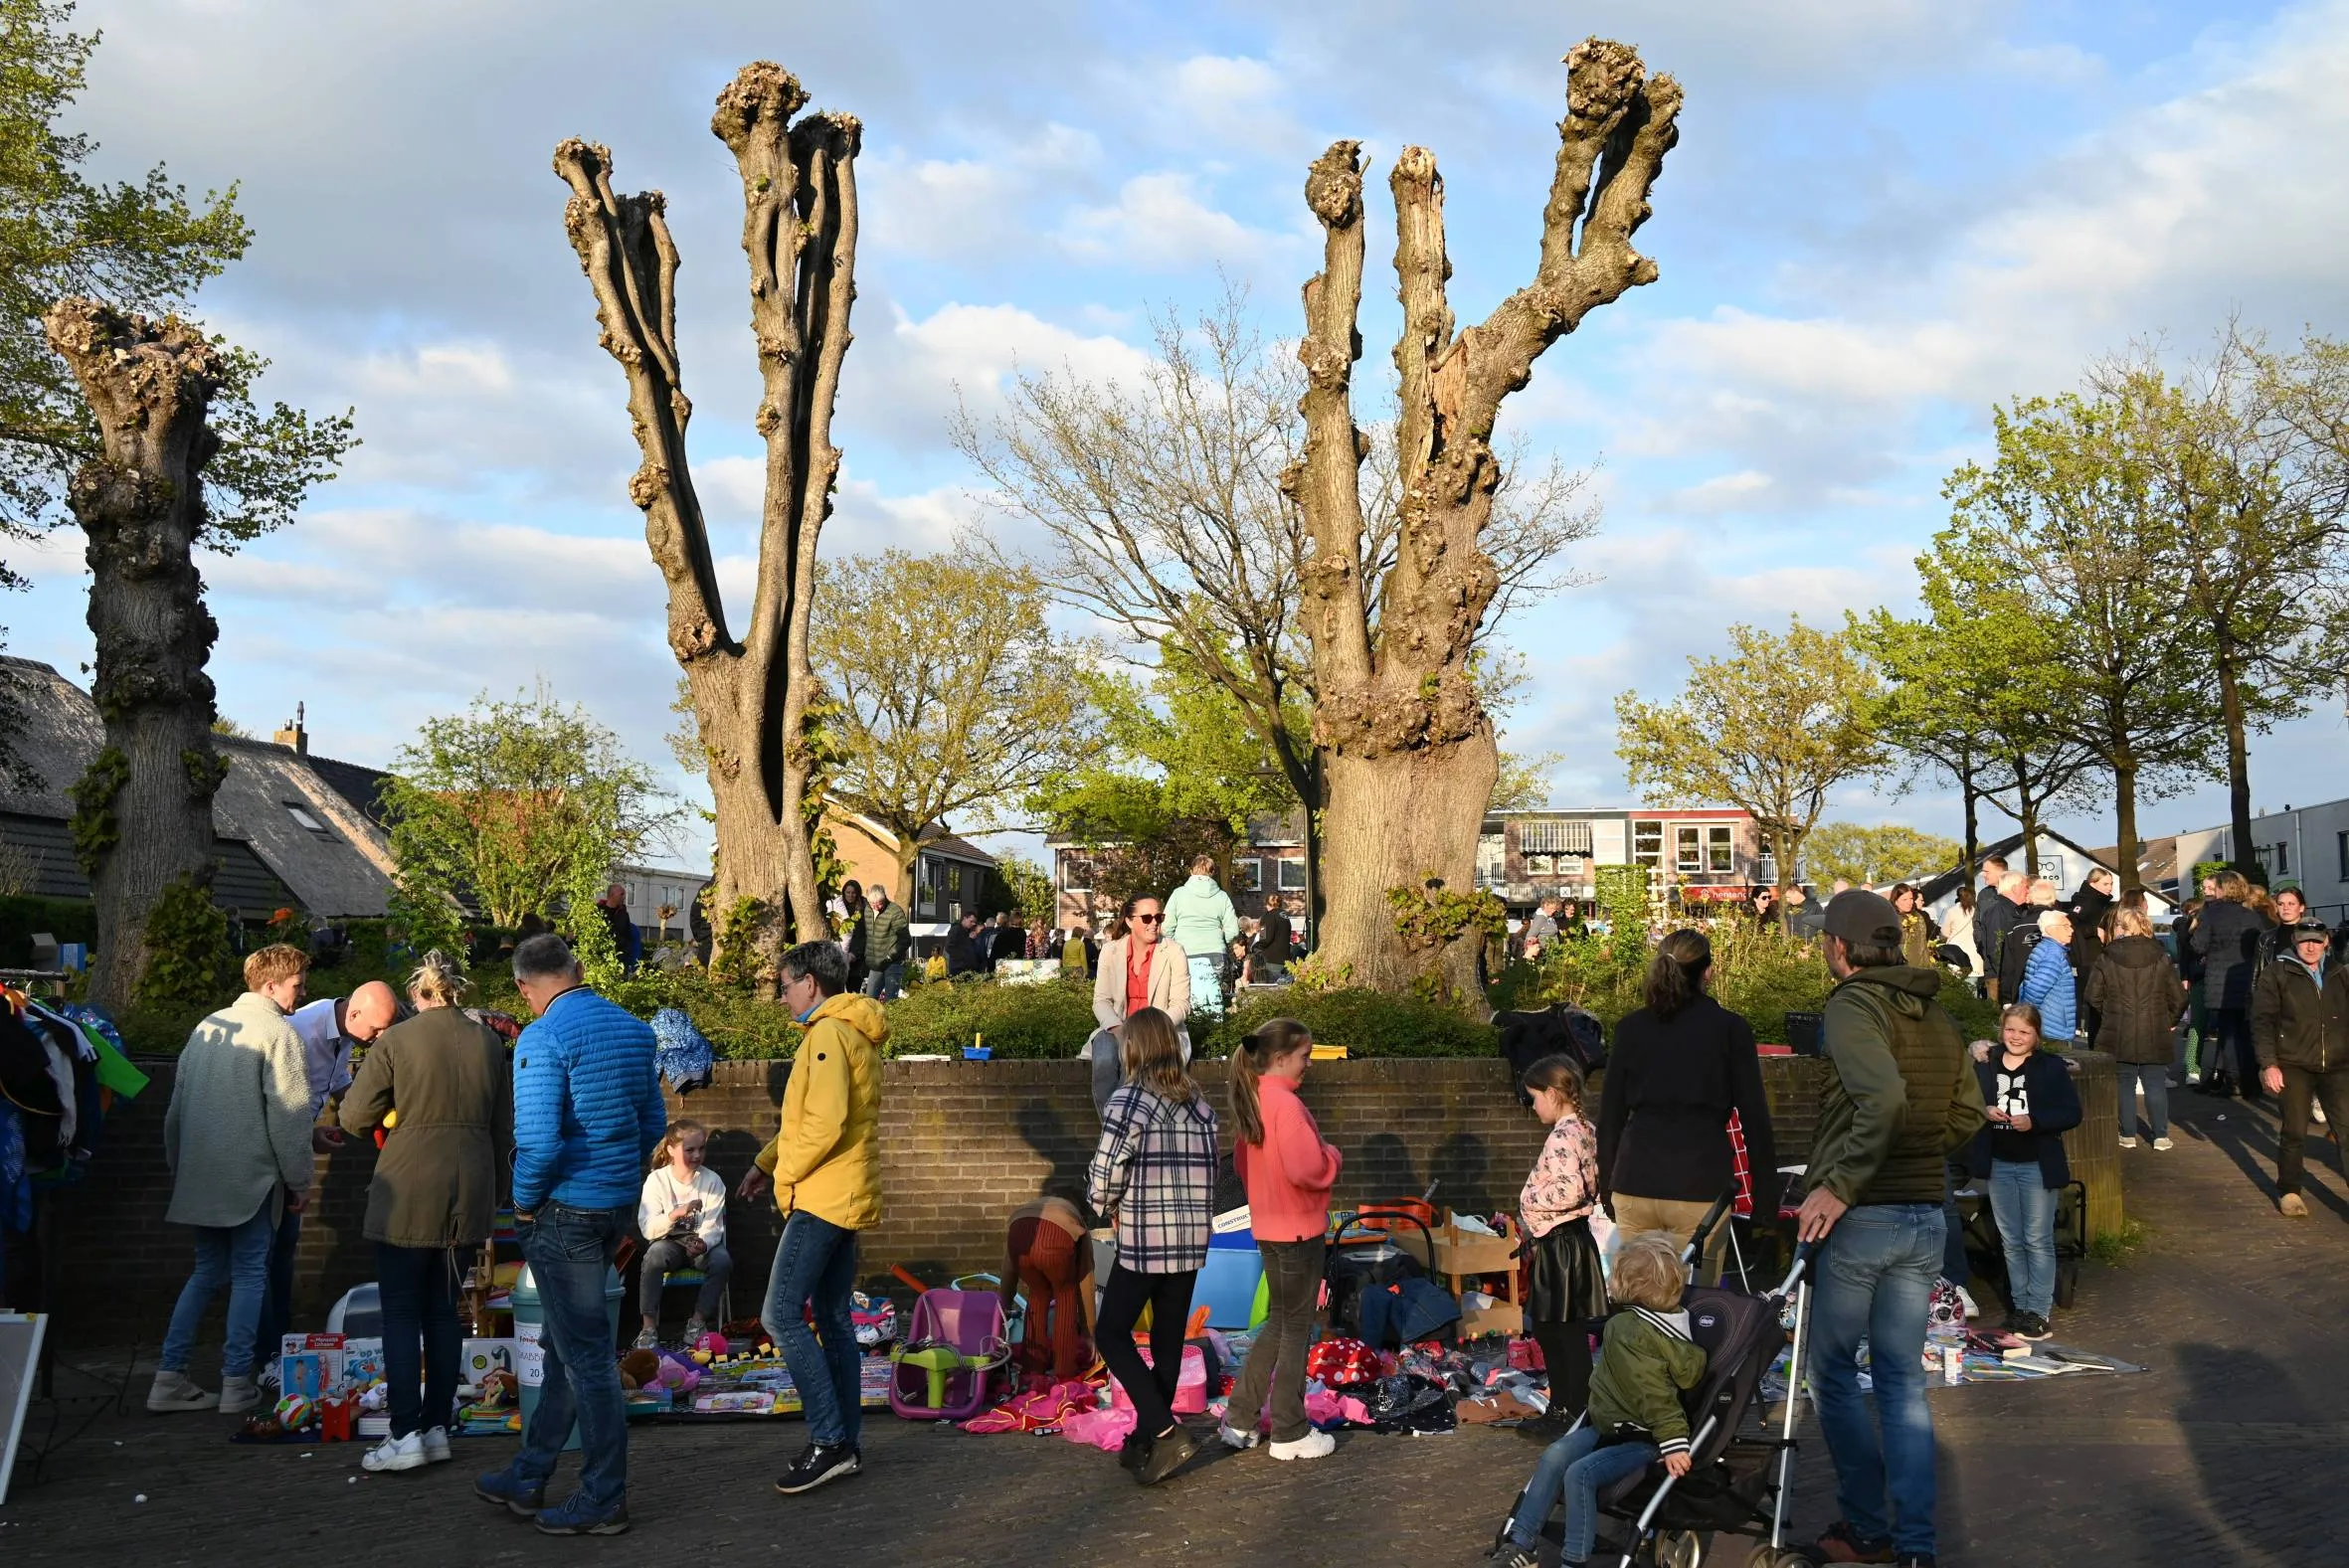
column 1287, row 1170
column 1680, row 1067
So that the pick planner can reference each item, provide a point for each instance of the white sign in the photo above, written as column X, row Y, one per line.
column 19, row 1355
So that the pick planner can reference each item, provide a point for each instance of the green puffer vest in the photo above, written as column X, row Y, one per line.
column 1894, row 1007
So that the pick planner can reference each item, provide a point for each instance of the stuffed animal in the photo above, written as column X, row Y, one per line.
column 713, row 1344
column 639, row 1368
column 678, row 1376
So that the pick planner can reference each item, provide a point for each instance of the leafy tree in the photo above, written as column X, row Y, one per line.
column 1019, row 886
column 2246, row 460
column 1772, row 729
column 954, row 698
column 2070, row 514
column 1875, row 856
column 517, row 807
column 1524, row 783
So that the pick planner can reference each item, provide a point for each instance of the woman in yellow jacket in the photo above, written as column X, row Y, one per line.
column 826, row 1165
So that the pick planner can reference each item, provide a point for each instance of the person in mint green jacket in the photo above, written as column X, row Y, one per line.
column 1201, row 922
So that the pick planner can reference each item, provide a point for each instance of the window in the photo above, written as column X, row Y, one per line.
column 2341, row 842
column 307, row 819
column 1076, row 874
column 1292, row 876
column 1540, row 865
column 1721, row 848
column 1247, row 876
column 1688, row 848
column 1647, row 843
column 2283, row 859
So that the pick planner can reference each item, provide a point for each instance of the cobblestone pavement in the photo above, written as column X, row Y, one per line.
column 2228, row 1453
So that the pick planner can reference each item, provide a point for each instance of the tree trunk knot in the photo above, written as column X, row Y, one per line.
column 1334, row 185
column 761, row 93
column 1602, row 78
column 768, row 421
column 690, row 641
column 649, row 483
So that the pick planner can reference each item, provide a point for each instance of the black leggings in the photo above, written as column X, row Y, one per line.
column 1151, row 1387
column 1565, row 1352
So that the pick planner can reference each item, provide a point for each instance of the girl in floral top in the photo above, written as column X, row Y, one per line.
column 1569, row 1288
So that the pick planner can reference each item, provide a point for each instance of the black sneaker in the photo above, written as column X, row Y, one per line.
column 1169, row 1452
column 1508, row 1556
column 1840, row 1544
column 821, row 1463
column 2030, row 1325
column 1134, row 1451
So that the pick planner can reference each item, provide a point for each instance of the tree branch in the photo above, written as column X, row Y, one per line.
column 1325, row 482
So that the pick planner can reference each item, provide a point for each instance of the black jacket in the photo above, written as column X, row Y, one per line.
column 2014, row 953
column 2136, row 988
column 2089, row 908
column 1272, row 939
column 2294, row 1024
column 2053, row 1103
column 961, row 951
column 1664, row 1109
column 1994, row 915
column 2227, row 940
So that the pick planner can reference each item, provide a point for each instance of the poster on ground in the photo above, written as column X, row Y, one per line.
column 20, row 1358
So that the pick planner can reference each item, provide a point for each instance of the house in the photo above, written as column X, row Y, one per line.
column 2307, row 847
column 949, row 873
column 1267, row 863
column 650, row 889
column 2062, row 861
column 1707, row 854
column 291, row 830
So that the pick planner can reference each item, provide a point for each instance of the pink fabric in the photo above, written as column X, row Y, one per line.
column 1322, row 1408
column 1106, row 1430
column 1289, row 1178
column 1038, row 1412
column 1190, row 1384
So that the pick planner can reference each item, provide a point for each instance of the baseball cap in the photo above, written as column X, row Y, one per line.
column 2310, row 931
column 1859, row 916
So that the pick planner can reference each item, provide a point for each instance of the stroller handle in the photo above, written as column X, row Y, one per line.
column 1712, row 1217
column 1804, row 1252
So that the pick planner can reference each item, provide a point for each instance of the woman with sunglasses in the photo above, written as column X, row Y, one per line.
column 1141, row 967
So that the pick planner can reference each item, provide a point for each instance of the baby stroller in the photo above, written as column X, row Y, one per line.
column 1737, row 1479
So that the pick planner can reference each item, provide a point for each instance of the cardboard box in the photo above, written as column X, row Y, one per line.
column 362, row 1363
column 481, row 1357
column 1458, row 1253
column 1502, row 1318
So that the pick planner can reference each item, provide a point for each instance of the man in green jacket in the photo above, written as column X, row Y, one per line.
column 1903, row 1096
column 888, row 940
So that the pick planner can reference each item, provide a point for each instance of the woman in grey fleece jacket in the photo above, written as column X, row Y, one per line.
column 238, row 1139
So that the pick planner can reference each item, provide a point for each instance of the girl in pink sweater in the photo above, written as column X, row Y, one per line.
column 1569, row 1290
column 1287, row 1170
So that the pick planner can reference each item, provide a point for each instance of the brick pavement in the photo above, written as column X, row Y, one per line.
column 2228, row 1453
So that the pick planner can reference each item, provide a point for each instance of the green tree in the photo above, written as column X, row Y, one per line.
column 955, row 697
column 517, row 807
column 2070, row 515
column 1874, row 856
column 1019, row 886
column 1772, row 729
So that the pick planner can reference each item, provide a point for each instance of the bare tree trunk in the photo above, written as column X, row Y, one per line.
column 750, row 695
column 144, row 810
column 2125, row 808
column 1410, row 748
column 2239, row 754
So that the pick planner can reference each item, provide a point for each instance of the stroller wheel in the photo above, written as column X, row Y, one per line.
column 1680, row 1549
column 1768, row 1556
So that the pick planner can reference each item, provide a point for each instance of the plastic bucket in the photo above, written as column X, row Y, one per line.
column 1227, row 1286
column 530, row 1332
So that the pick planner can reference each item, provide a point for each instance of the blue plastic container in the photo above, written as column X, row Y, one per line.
column 1229, row 1284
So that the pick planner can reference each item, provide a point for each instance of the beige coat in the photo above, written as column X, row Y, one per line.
column 1170, row 982
column 436, row 1183
column 238, row 1133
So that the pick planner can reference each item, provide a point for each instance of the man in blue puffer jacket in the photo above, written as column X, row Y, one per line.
column 2048, row 983
column 587, row 1114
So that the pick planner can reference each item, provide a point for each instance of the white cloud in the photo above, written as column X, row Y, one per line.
column 1160, row 222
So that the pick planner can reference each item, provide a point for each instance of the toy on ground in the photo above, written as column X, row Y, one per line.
column 296, row 1411
column 712, row 1344
column 945, row 1368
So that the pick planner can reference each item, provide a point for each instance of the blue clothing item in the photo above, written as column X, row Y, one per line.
column 237, row 1256
column 587, row 1106
column 682, row 1051
column 1206, row 985
column 2024, row 1207
column 1573, row 1470
column 2049, row 985
column 1873, row 1281
column 1954, row 1267
column 816, row 1269
column 570, row 1251
column 885, row 982
column 2154, row 1078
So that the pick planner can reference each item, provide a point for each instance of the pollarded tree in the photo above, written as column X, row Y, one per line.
column 750, row 692
column 1410, row 746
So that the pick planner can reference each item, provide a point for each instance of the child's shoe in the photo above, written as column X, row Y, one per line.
column 1507, row 1556
column 1232, row 1440
column 1313, row 1445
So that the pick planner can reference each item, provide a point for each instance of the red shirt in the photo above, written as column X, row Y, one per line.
column 1138, row 978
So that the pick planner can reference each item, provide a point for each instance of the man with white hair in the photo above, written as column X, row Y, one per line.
column 1996, row 913
column 2034, row 897
column 2047, row 982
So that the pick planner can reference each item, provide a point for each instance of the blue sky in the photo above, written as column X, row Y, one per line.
column 1882, row 216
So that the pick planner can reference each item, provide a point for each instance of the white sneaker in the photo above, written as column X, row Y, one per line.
column 238, row 1396
column 2316, row 1111
column 1313, row 1445
column 435, row 1445
column 1235, row 1439
column 1966, row 1300
column 2164, row 1145
column 174, row 1392
column 395, row 1454
column 2129, row 1142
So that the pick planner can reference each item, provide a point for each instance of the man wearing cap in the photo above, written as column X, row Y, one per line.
column 2300, row 1030
column 1902, row 1097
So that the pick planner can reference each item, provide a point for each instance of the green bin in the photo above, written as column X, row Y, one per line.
column 529, row 1323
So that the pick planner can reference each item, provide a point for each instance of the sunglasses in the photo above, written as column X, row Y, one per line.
column 1147, row 919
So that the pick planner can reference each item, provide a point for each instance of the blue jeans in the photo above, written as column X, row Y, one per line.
column 277, row 1313
column 1574, row 1471
column 2026, row 1212
column 2154, row 1078
column 237, row 1256
column 570, row 1252
column 816, row 1269
column 1875, row 1279
column 885, row 982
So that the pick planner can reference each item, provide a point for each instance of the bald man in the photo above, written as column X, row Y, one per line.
column 329, row 1028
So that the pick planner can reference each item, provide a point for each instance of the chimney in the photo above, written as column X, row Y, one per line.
column 294, row 733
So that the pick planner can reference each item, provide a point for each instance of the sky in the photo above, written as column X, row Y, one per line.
column 1883, row 218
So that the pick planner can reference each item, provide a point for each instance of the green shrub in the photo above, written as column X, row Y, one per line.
column 1041, row 1020
column 1366, row 1022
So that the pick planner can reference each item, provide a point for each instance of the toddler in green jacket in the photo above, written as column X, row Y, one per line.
column 1646, row 1361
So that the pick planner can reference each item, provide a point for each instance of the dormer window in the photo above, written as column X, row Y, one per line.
column 305, row 818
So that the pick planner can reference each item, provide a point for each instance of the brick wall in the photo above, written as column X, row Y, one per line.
column 962, row 1145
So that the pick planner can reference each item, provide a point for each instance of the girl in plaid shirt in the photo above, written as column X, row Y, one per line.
column 1154, row 1169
